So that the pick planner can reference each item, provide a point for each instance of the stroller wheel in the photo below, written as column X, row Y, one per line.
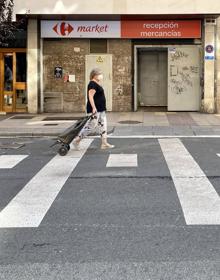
column 63, row 150
column 68, row 146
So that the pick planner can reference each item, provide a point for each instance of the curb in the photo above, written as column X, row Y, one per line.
column 149, row 136
column 39, row 134
column 27, row 134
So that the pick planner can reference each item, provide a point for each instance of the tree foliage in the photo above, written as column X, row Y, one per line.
column 7, row 27
column 6, row 8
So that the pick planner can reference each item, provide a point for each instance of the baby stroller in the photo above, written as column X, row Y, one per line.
column 69, row 134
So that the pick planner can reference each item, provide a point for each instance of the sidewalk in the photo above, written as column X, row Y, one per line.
column 119, row 124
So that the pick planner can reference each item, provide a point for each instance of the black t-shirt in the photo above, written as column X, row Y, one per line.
column 99, row 97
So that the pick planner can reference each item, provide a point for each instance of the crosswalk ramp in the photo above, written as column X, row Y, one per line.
column 136, row 161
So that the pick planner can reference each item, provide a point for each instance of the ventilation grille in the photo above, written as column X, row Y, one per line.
column 210, row 21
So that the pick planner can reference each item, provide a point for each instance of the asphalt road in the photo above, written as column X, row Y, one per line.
column 110, row 222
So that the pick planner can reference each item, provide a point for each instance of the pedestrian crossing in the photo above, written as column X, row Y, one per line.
column 10, row 161
column 198, row 198
column 122, row 160
column 31, row 204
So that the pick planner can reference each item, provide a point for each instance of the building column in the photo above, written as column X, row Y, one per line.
column 218, row 66
column 209, row 70
column 32, row 66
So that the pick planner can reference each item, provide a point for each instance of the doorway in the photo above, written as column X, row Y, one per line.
column 13, row 94
column 104, row 63
column 167, row 75
column 152, row 78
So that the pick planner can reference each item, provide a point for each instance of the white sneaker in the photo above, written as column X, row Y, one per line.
column 107, row 146
column 76, row 145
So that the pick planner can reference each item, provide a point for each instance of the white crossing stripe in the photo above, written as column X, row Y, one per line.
column 199, row 200
column 122, row 160
column 31, row 204
column 10, row 161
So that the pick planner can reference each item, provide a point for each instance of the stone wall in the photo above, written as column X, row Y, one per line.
column 70, row 54
column 122, row 74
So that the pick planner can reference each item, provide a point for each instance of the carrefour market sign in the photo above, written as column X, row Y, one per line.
column 122, row 29
column 80, row 29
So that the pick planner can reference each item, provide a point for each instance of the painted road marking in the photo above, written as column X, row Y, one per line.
column 31, row 204
column 122, row 160
column 10, row 161
column 130, row 136
column 199, row 200
column 155, row 136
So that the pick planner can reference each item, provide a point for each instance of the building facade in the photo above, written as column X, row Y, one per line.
column 163, row 54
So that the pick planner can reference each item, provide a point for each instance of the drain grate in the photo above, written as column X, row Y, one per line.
column 50, row 124
column 129, row 122
column 61, row 118
column 14, row 146
column 22, row 117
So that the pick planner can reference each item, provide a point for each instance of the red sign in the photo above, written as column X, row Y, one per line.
column 161, row 29
column 63, row 28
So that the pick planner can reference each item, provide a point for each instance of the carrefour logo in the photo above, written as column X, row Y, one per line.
column 63, row 28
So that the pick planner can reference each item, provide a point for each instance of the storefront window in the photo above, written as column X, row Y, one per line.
column 21, row 67
column 8, row 72
column 21, row 99
column 8, row 100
